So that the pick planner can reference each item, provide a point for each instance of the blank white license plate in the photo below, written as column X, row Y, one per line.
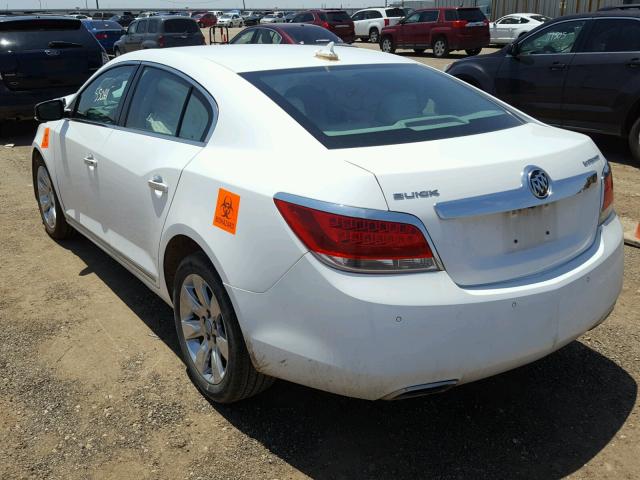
column 530, row 227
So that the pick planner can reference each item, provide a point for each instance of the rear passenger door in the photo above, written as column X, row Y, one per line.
column 603, row 81
column 167, row 121
column 428, row 20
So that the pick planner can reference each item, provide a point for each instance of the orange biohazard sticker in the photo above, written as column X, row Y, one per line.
column 227, row 207
column 45, row 138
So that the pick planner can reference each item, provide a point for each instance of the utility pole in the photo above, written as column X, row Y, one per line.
column 98, row 5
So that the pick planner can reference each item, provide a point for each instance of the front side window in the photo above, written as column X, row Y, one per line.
column 158, row 101
column 266, row 36
column 614, row 35
column 450, row 15
column 430, row 16
column 415, row 18
column 559, row 38
column 369, row 105
column 100, row 102
column 133, row 28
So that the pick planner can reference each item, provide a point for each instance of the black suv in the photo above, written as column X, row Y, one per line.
column 43, row 58
column 580, row 72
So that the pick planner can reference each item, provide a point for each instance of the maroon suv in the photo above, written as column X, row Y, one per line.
column 336, row 21
column 440, row 29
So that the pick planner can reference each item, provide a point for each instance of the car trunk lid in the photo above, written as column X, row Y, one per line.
column 474, row 198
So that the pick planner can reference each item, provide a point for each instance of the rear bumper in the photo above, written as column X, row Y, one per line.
column 469, row 43
column 19, row 105
column 371, row 336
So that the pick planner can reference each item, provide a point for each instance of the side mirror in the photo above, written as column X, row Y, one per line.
column 49, row 110
column 512, row 49
column 402, row 20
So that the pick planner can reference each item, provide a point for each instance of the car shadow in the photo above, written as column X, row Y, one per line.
column 544, row 420
column 615, row 149
column 20, row 134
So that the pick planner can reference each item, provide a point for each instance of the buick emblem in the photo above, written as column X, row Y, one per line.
column 539, row 183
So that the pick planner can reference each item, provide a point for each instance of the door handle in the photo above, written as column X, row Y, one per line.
column 89, row 160
column 634, row 63
column 156, row 183
column 558, row 66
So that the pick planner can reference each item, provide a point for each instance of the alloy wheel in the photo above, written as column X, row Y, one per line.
column 46, row 198
column 438, row 48
column 204, row 329
column 373, row 36
column 386, row 45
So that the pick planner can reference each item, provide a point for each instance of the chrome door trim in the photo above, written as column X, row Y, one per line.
column 515, row 199
column 112, row 252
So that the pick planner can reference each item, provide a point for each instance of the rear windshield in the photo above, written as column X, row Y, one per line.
column 395, row 12
column 108, row 25
column 44, row 33
column 312, row 36
column 180, row 25
column 369, row 105
column 338, row 17
column 471, row 14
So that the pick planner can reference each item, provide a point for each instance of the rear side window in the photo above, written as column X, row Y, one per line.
column 157, row 103
column 179, row 25
column 395, row 12
column 614, row 35
column 142, row 26
column 197, row 118
column 369, row 105
column 540, row 18
column 471, row 15
column 153, row 25
column 39, row 34
column 100, row 102
column 338, row 17
column 371, row 14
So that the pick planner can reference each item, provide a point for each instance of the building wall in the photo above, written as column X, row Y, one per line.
column 495, row 9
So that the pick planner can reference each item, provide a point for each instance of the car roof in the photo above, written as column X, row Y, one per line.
column 600, row 13
column 253, row 58
column 13, row 18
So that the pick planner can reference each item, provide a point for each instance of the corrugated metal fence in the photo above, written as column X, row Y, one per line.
column 497, row 8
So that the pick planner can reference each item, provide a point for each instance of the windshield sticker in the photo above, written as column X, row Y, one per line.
column 227, row 208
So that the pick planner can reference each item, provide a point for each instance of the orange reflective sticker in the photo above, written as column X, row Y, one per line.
column 227, row 207
column 45, row 138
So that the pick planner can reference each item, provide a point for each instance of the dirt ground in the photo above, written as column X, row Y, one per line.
column 91, row 385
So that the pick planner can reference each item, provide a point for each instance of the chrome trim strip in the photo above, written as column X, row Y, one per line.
column 419, row 390
column 368, row 213
column 516, row 199
column 109, row 250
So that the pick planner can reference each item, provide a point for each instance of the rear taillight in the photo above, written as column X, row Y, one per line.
column 459, row 23
column 101, row 36
column 326, row 25
column 485, row 21
column 161, row 41
column 359, row 243
column 607, row 195
column 386, row 22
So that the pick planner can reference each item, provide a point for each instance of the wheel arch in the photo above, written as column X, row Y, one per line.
column 631, row 116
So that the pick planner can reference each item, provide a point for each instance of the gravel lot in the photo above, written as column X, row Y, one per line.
column 91, row 385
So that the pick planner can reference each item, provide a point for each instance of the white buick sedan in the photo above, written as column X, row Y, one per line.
column 358, row 222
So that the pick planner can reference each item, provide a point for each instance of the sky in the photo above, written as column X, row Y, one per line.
column 180, row 4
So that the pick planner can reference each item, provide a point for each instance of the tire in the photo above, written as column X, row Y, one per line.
column 374, row 35
column 440, row 47
column 387, row 45
column 634, row 141
column 200, row 25
column 419, row 50
column 473, row 51
column 51, row 213
column 207, row 330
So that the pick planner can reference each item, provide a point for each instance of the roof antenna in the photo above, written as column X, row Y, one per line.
column 327, row 53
